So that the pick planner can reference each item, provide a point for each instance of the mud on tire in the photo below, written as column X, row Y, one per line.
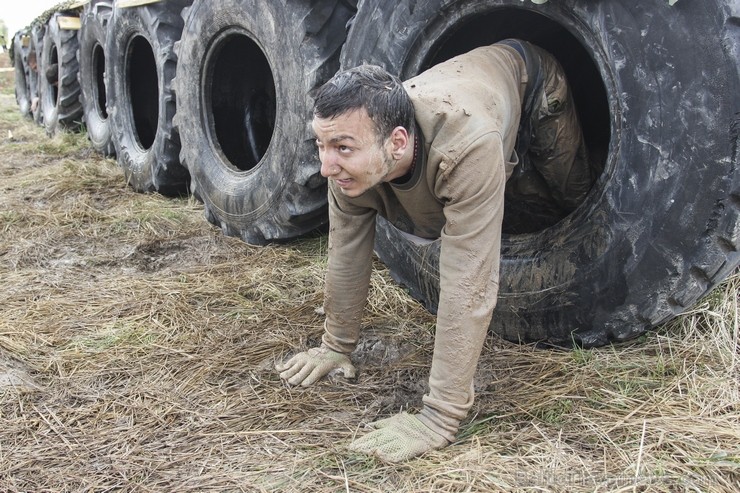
column 246, row 68
column 92, row 58
column 658, row 94
column 141, row 100
column 59, row 99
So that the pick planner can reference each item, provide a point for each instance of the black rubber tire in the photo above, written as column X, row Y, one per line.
column 93, row 34
column 141, row 101
column 20, row 70
column 660, row 227
column 34, row 80
column 60, row 104
column 268, row 55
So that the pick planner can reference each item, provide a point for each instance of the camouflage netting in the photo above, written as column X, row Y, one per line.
column 69, row 6
column 11, row 50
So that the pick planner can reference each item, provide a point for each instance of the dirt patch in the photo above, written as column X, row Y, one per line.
column 14, row 375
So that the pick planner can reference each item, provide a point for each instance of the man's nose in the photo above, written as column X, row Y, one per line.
column 329, row 165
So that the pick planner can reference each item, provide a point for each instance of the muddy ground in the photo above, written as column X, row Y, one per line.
column 137, row 346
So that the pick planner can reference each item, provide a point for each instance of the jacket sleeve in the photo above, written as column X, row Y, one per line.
column 351, row 239
column 473, row 191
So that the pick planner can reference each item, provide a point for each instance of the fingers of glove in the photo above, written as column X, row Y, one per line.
column 400, row 450
column 309, row 366
column 295, row 366
column 398, row 438
column 390, row 445
column 370, row 442
column 307, row 374
column 292, row 362
column 316, row 373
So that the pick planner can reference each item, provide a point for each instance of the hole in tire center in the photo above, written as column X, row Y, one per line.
column 53, row 86
column 143, row 90
column 525, row 214
column 98, row 67
column 240, row 100
column 32, row 71
column 20, row 75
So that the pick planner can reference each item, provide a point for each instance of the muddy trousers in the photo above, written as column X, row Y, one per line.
column 553, row 175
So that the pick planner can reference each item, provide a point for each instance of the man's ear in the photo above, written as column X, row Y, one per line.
column 399, row 141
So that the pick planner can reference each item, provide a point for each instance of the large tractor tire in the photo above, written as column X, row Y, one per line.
column 141, row 100
column 34, row 78
column 658, row 94
column 59, row 89
column 20, row 48
column 92, row 37
column 246, row 70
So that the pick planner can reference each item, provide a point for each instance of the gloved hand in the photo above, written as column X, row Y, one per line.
column 398, row 438
column 309, row 366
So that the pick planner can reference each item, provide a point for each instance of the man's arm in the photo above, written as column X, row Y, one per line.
column 351, row 239
column 469, row 279
column 473, row 190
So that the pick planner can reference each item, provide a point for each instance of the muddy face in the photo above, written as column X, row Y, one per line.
column 350, row 153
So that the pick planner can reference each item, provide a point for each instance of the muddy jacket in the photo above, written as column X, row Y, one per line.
column 467, row 114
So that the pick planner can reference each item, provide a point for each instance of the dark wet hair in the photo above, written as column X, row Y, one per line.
column 371, row 87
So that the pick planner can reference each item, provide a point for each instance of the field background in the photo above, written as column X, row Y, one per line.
column 137, row 346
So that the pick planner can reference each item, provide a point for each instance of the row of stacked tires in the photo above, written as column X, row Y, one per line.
column 212, row 98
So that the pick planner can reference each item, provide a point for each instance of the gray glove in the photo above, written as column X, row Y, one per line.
column 309, row 366
column 398, row 438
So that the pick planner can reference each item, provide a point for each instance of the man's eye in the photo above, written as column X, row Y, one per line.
column 344, row 149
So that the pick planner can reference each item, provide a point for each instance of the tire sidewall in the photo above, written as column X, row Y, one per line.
column 92, row 34
column 21, row 69
column 49, row 106
column 156, row 168
column 220, row 185
column 136, row 161
column 37, row 43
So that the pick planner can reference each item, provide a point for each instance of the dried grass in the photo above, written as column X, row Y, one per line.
column 137, row 346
